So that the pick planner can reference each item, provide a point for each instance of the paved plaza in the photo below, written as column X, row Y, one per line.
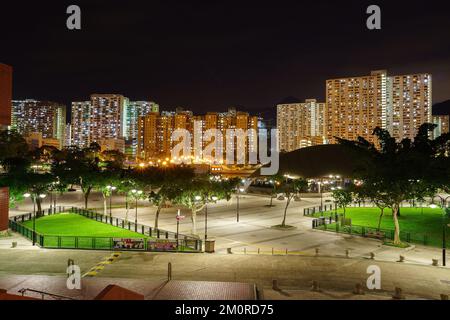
column 259, row 255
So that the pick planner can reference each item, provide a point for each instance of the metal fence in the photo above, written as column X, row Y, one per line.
column 370, row 232
column 159, row 240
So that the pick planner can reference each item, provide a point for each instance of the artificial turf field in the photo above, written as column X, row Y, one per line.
column 61, row 230
column 417, row 221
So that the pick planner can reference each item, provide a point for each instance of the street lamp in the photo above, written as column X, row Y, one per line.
column 33, row 198
column 321, row 197
column 444, row 213
column 240, row 189
column 111, row 189
column 136, row 195
column 213, row 198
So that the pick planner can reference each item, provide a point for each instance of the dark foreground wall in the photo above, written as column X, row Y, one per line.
column 4, row 208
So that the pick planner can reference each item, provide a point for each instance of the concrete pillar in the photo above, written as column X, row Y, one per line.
column 4, row 208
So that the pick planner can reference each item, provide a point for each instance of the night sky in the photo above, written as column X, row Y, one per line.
column 208, row 55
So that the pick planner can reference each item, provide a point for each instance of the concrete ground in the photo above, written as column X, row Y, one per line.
column 45, row 270
column 253, row 233
column 292, row 262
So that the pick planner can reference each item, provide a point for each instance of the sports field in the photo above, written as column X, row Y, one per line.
column 419, row 222
column 69, row 230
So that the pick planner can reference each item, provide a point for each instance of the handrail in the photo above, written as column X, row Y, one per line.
column 57, row 296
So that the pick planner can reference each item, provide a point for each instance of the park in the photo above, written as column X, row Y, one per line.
column 345, row 201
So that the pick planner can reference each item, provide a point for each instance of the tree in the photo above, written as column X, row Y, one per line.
column 106, row 182
column 80, row 167
column 12, row 147
column 162, row 184
column 38, row 184
column 342, row 197
column 198, row 192
column 275, row 182
column 291, row 189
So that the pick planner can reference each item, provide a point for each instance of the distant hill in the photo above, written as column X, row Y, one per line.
column 442, row 108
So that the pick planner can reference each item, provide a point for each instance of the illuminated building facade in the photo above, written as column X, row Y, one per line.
column 155, row 131
column 300, row 124
column 356, row 106
column 81, row 124
column 443, row 125
column 106, row 116
column 45, row 117
column 409, row 104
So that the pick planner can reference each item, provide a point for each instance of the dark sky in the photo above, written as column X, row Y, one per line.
column 208, row 55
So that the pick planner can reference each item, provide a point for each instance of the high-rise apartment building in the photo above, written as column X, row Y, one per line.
column 355, row 106
column 155, row 131
column 106, row 116
column 300, row 124
column 443, row 125
column 81, row 124
column 5, row 95
column 409, row 104
column 148, row 136
column 45, row 117
column 130, row 119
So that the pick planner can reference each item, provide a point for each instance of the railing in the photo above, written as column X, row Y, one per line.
column 370, row 232
column 129, row 225
column 43, row 294
column 159, row 240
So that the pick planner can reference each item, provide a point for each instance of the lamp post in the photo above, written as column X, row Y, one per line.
column 238, row 190
column 444, row 227
column 111, row 189
column 33, row 198
column 320, row 192
column 213, row 198
column 136, row 194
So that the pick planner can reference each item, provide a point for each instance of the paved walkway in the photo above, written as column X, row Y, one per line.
column 336, row 276
column 253, row 233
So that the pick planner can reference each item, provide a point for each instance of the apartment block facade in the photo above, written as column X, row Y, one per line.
column 155, row 131
column 300, row 124
column 356, row 106
column 46, row 117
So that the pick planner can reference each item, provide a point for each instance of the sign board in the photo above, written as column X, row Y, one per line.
column 128, row 244
column 162, row 245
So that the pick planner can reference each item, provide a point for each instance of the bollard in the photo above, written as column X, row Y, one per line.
column 402, row 259
column 347, row 253
column 317, row 252
column 272, row 251
column 275, row 285
column 358, row 289
column 444, row 296
column 398, row 295
column 435, row 262
column 258, row 250
column 315, row 286
column 14, row 244
column 372, row 256
column 229, row 251
column 169, row 271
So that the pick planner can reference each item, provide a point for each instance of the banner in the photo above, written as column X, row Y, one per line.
column 128, row 244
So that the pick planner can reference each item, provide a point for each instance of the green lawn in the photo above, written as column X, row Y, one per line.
column 75, row 231
column 417, row 221
column 76, row 225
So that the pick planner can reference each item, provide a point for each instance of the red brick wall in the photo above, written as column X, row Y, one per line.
column 4, row 208
column 5, row 94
